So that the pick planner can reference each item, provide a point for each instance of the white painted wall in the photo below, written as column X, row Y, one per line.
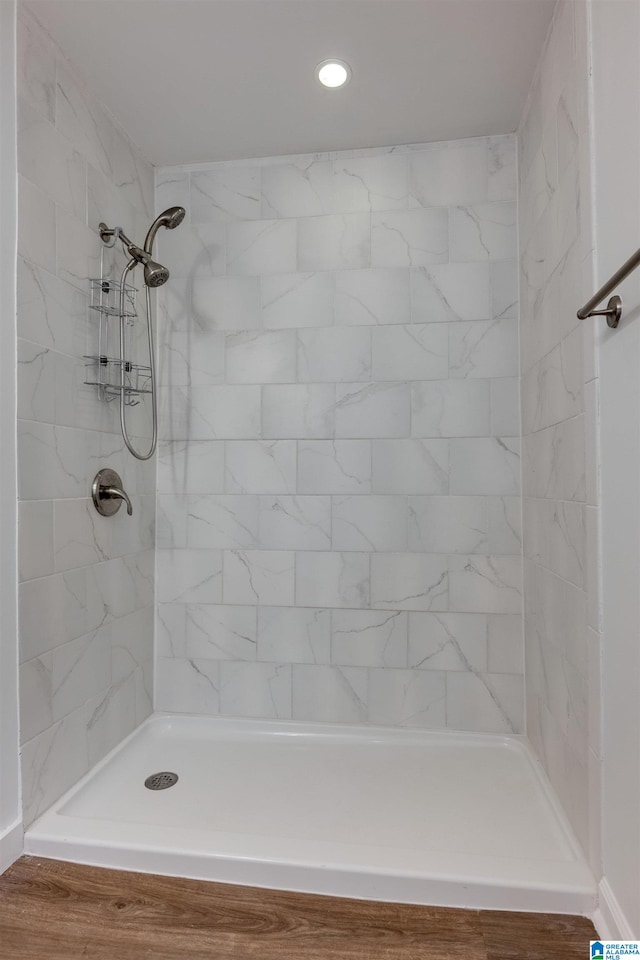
column 10, row 815
column 616, row 115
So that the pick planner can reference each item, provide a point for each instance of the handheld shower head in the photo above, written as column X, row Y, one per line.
column 173, row 217
column 169, row 218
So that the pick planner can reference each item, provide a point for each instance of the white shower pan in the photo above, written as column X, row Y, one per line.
column 441, row 818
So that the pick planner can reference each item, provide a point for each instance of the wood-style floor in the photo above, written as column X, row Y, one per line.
column 51, row 910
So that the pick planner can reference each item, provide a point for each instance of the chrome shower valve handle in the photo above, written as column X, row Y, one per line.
column 108, row 493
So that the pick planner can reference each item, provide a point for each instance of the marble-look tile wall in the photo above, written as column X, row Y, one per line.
column 86, row 590
column 559, row 422
column 339, row 476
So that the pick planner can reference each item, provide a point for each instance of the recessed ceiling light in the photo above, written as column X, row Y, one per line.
column 333, row 73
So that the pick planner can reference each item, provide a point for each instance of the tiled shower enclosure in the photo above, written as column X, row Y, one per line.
column 339, row 475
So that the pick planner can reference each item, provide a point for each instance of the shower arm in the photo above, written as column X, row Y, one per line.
column 154, row 399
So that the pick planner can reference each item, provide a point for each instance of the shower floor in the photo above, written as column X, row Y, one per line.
column 420, row 817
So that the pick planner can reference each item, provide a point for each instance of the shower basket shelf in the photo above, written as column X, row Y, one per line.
column 103, row 370
column 105, row 297
column 107, row 378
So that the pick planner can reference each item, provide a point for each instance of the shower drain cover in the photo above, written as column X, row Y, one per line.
column 161, row 781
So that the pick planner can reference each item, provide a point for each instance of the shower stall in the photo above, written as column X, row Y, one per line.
column 348, row 639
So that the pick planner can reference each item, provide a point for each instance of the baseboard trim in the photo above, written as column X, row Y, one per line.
column 608, row 918
column 11, row 845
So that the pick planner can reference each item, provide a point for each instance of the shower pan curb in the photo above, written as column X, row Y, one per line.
column 316, row 844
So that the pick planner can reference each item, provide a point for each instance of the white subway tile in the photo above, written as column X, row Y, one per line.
column 369, row 638
column 254, row 357
column 370, row 183
column 36, row 226
column 188, row 686
column 294, row 635
column 448, row 641
column 410, row 466
column 336, row 694
column 491, row 702
column 297, row 300
column 170, row 629
column 369, row 523
column 505, row 525
column 504, row 288
column 36, row 65
column 485, row 466
column 193, row 466
column 340, row 242
column 417, row 352
column 505, row 644
column 223, row 412
column 189, row 576
column 50, row 162
column 332, row 580
column 451, row 408
column 505, row 407
column 52, row 762
column 265, row 246
column 372, row 410
column 304, row 411
column 261, row 466
column 226, row 303
column 406, row 581
column 36, row 382
column 192, row 359
column 334, row 466
column 196, row 250
column 502, row 168
column 485, row 584
column 409, row 238
column 80, row 669
column 222, row 521
column 486, row 231
column 567, row 540
column 109, row 718
column 334, row 354
column 368, row 297
column 255, row 690
column 224, row 194
column 446, row 292
column 36, row 706
column 407, row 698
column 301, row 188
column 484, row 348
column 449, row 524
column 35, row 538
column 216, row 632
column 81, row 120
column 453, row 172
column 295, row 523
column 172, row 188
column 51, row 312
column 52, row 461
column 258, row 577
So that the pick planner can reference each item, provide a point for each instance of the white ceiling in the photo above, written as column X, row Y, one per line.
column 202, row 80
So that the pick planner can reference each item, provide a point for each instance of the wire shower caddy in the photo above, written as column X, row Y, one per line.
column 103, row 369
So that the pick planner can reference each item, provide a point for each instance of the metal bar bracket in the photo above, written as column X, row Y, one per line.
column 613, row 310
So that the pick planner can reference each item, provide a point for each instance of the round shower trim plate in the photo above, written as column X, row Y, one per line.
column 333, row 73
